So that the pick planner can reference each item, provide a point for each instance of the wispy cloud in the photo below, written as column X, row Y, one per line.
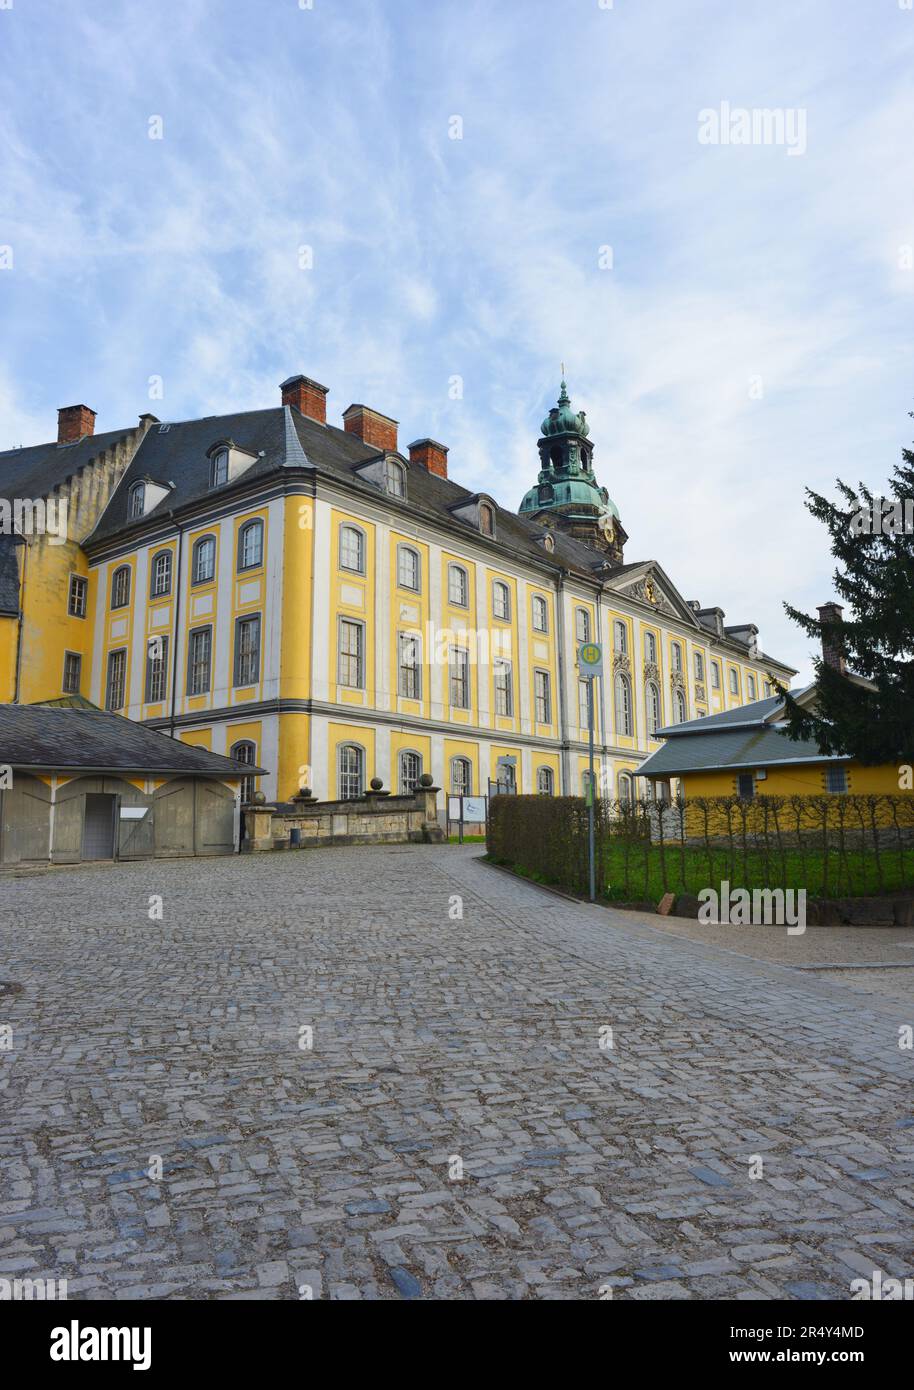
column 308, row 209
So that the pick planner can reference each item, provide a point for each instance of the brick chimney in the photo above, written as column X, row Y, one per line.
column 430, row 454
column 307, row 396
column 371, row 427
column 74, row 422
column 832, row 650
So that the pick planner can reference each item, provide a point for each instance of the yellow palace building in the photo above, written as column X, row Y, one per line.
column 311, row 599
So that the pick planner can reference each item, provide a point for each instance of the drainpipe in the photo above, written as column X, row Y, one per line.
column 601, row 679
column 177, row 627
column 563, row 713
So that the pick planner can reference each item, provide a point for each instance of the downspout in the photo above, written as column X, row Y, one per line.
column 601, row 679
column 177, row 627
column 563, row 712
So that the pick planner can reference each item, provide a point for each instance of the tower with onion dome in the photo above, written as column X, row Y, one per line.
column 567, row 495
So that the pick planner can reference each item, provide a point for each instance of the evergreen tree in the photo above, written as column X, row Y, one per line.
column 872, row 539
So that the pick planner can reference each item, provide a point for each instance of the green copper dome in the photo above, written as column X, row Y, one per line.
column 563, row 420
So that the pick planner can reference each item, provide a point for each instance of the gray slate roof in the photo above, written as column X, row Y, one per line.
column 755, row 713
column 735, row 738
column 34, row 471
column 51, row 738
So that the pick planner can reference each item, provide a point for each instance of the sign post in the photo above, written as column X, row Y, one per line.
column 590, row 664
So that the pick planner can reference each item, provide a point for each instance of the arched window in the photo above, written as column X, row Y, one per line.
column 161, row 574
column 625, row 787
column 699, row 666
column 750, row 681
column 351, row 762
column 679, row 707
column 461, row 777
column 136, row 504
column 486, row 520
column 245, row 752
column 394, row 479
column 677, row 656
column 582, row 625
column 734, row 683
column 203, row 561
column 652, row 707
column 623, row 704
column 250, row 545
column 120, row 587
column 650, row 649
column 458, row 586
column 620, row 636
column 410, row 771
column 408, row 568
column 219, row 468
column 352, row 549
column 545, row 781
column 540, row 614
column 501, row 601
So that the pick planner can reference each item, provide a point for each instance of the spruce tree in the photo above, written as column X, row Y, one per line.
column 872, row 540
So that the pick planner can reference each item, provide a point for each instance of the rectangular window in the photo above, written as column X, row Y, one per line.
column 352, row 549
column 408, row 568
column 79, row 589
column 543, row 697
column 458, row 586
column 699, row 667
column 715, row 676
column 460, row 677
column 161, row 575
column 247, row 650
column 156, row 669
column 199, row 661
column 836, row 779
column 72, row 673
column 746, row 786
column 504, row 693
column 115, row 687
column 501, row 601
column 584, row 704
column 351, row 666
column 582, row 625
column 410, row 679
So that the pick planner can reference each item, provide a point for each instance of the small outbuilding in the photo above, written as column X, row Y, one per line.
column 82, row 784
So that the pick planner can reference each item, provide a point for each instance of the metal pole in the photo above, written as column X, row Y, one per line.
column 591, row 808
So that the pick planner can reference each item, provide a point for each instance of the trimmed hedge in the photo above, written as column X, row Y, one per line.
column 833, row 846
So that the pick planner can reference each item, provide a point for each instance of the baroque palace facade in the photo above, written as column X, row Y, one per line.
column 312, row 600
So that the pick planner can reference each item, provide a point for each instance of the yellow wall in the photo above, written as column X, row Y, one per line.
column 797, row 780
column 48, row 629
column 9, row 637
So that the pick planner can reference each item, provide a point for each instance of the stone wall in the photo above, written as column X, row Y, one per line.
column 374, row 819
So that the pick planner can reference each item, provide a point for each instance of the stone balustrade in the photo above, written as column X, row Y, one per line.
column 375, row 818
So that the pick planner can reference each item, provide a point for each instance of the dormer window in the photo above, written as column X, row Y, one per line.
column 219, row 468
column 486, row 519
column 394, row 478
column 137, row 501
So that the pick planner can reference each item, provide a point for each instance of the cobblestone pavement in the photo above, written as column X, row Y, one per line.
column 438, row 1041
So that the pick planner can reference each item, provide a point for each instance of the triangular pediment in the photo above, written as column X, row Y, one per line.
column 649, row 585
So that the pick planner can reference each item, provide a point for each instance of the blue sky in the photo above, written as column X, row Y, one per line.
column 753, row 335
